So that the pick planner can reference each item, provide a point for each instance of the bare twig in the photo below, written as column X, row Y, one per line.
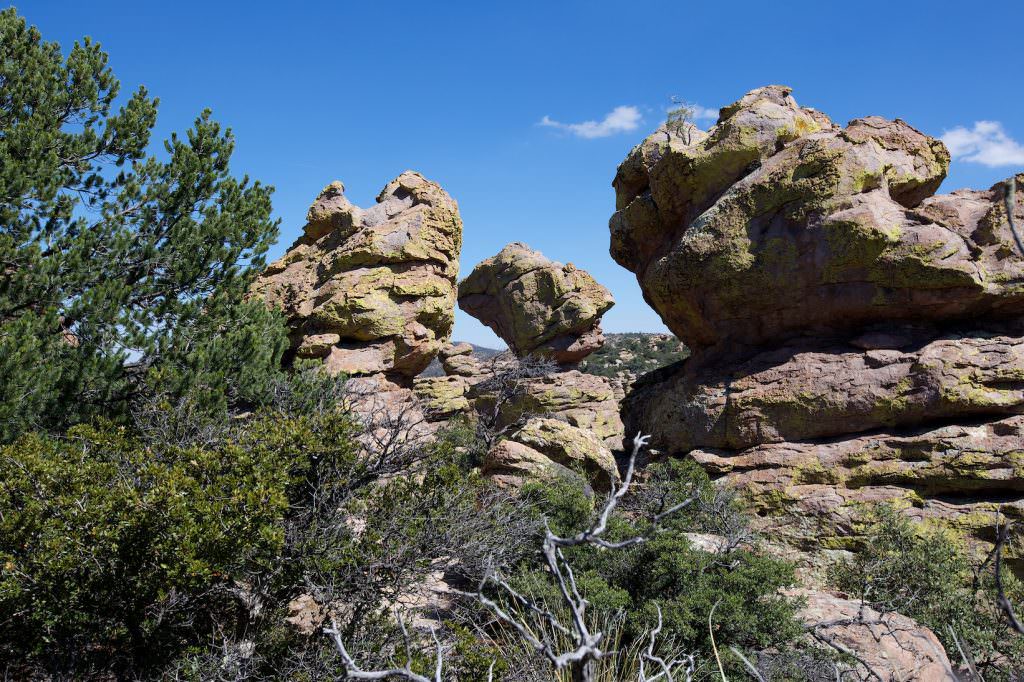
column 1002, row 537
column 354, row 672
column 588, row 647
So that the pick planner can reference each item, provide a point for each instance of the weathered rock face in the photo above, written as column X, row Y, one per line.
column 855, row 339
column 547, row 448
column 536, row 305
column 777, row 221
column 582, row 400
column 371, row 290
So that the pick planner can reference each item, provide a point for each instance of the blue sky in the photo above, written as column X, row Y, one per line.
column 487, row 98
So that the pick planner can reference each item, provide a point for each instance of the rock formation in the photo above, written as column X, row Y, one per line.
column 371, row 290
column 536, row 305
column 778, row 222
column 855, row 338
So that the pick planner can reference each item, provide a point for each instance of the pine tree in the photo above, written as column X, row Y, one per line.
column 122, row 273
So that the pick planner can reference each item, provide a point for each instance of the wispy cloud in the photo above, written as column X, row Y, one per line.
column 703, row 113
column 619, row 120
column 986, row 143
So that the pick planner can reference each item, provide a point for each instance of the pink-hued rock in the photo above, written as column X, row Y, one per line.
column 890, row 645
column 810, row 390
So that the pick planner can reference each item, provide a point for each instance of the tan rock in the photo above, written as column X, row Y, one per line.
column 371, row 290
column 890, row 645
column 583, row 400
column 536, row 305
column 817, row 496
column 458, row 360
column 572, row 447
column 510, row 464
column 305, row 615
column 442, row 397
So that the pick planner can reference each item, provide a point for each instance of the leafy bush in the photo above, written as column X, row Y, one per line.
column 929, row 575
column 114, row 555
column 740, row 584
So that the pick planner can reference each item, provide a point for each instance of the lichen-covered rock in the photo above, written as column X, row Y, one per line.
column 583, row 400
column 536, row 305
column 510, row 464
column 855, row 339
column 371, row 290
column 442, row 397
column 571, row 447
column 777, row 221
column 960, row 476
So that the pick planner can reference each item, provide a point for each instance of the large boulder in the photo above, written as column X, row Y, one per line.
column 777, row 221
column 536, row 305
column 855, row 339
column 371, row 290
column 886, row 646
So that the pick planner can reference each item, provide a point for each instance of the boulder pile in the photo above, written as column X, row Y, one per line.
column 856, row 338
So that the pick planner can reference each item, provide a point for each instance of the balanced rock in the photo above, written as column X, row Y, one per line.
column 371, row 290
column 856, row 340
column 536, row 305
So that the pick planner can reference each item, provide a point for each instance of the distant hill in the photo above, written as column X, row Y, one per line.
column 627, row 356
column 623, row 356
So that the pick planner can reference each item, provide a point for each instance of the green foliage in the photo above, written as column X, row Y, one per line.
column 928, row 574
column 667, row 570
column 121, row 275
column 631, row 355
column 111, row 550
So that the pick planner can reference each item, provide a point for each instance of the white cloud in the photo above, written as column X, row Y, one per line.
column 703, row 113
column 620, row 120
column 986, row 143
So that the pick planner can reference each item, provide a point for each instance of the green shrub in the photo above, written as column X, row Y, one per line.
column 114, row 555
column 929, row 575
column 667, row 570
